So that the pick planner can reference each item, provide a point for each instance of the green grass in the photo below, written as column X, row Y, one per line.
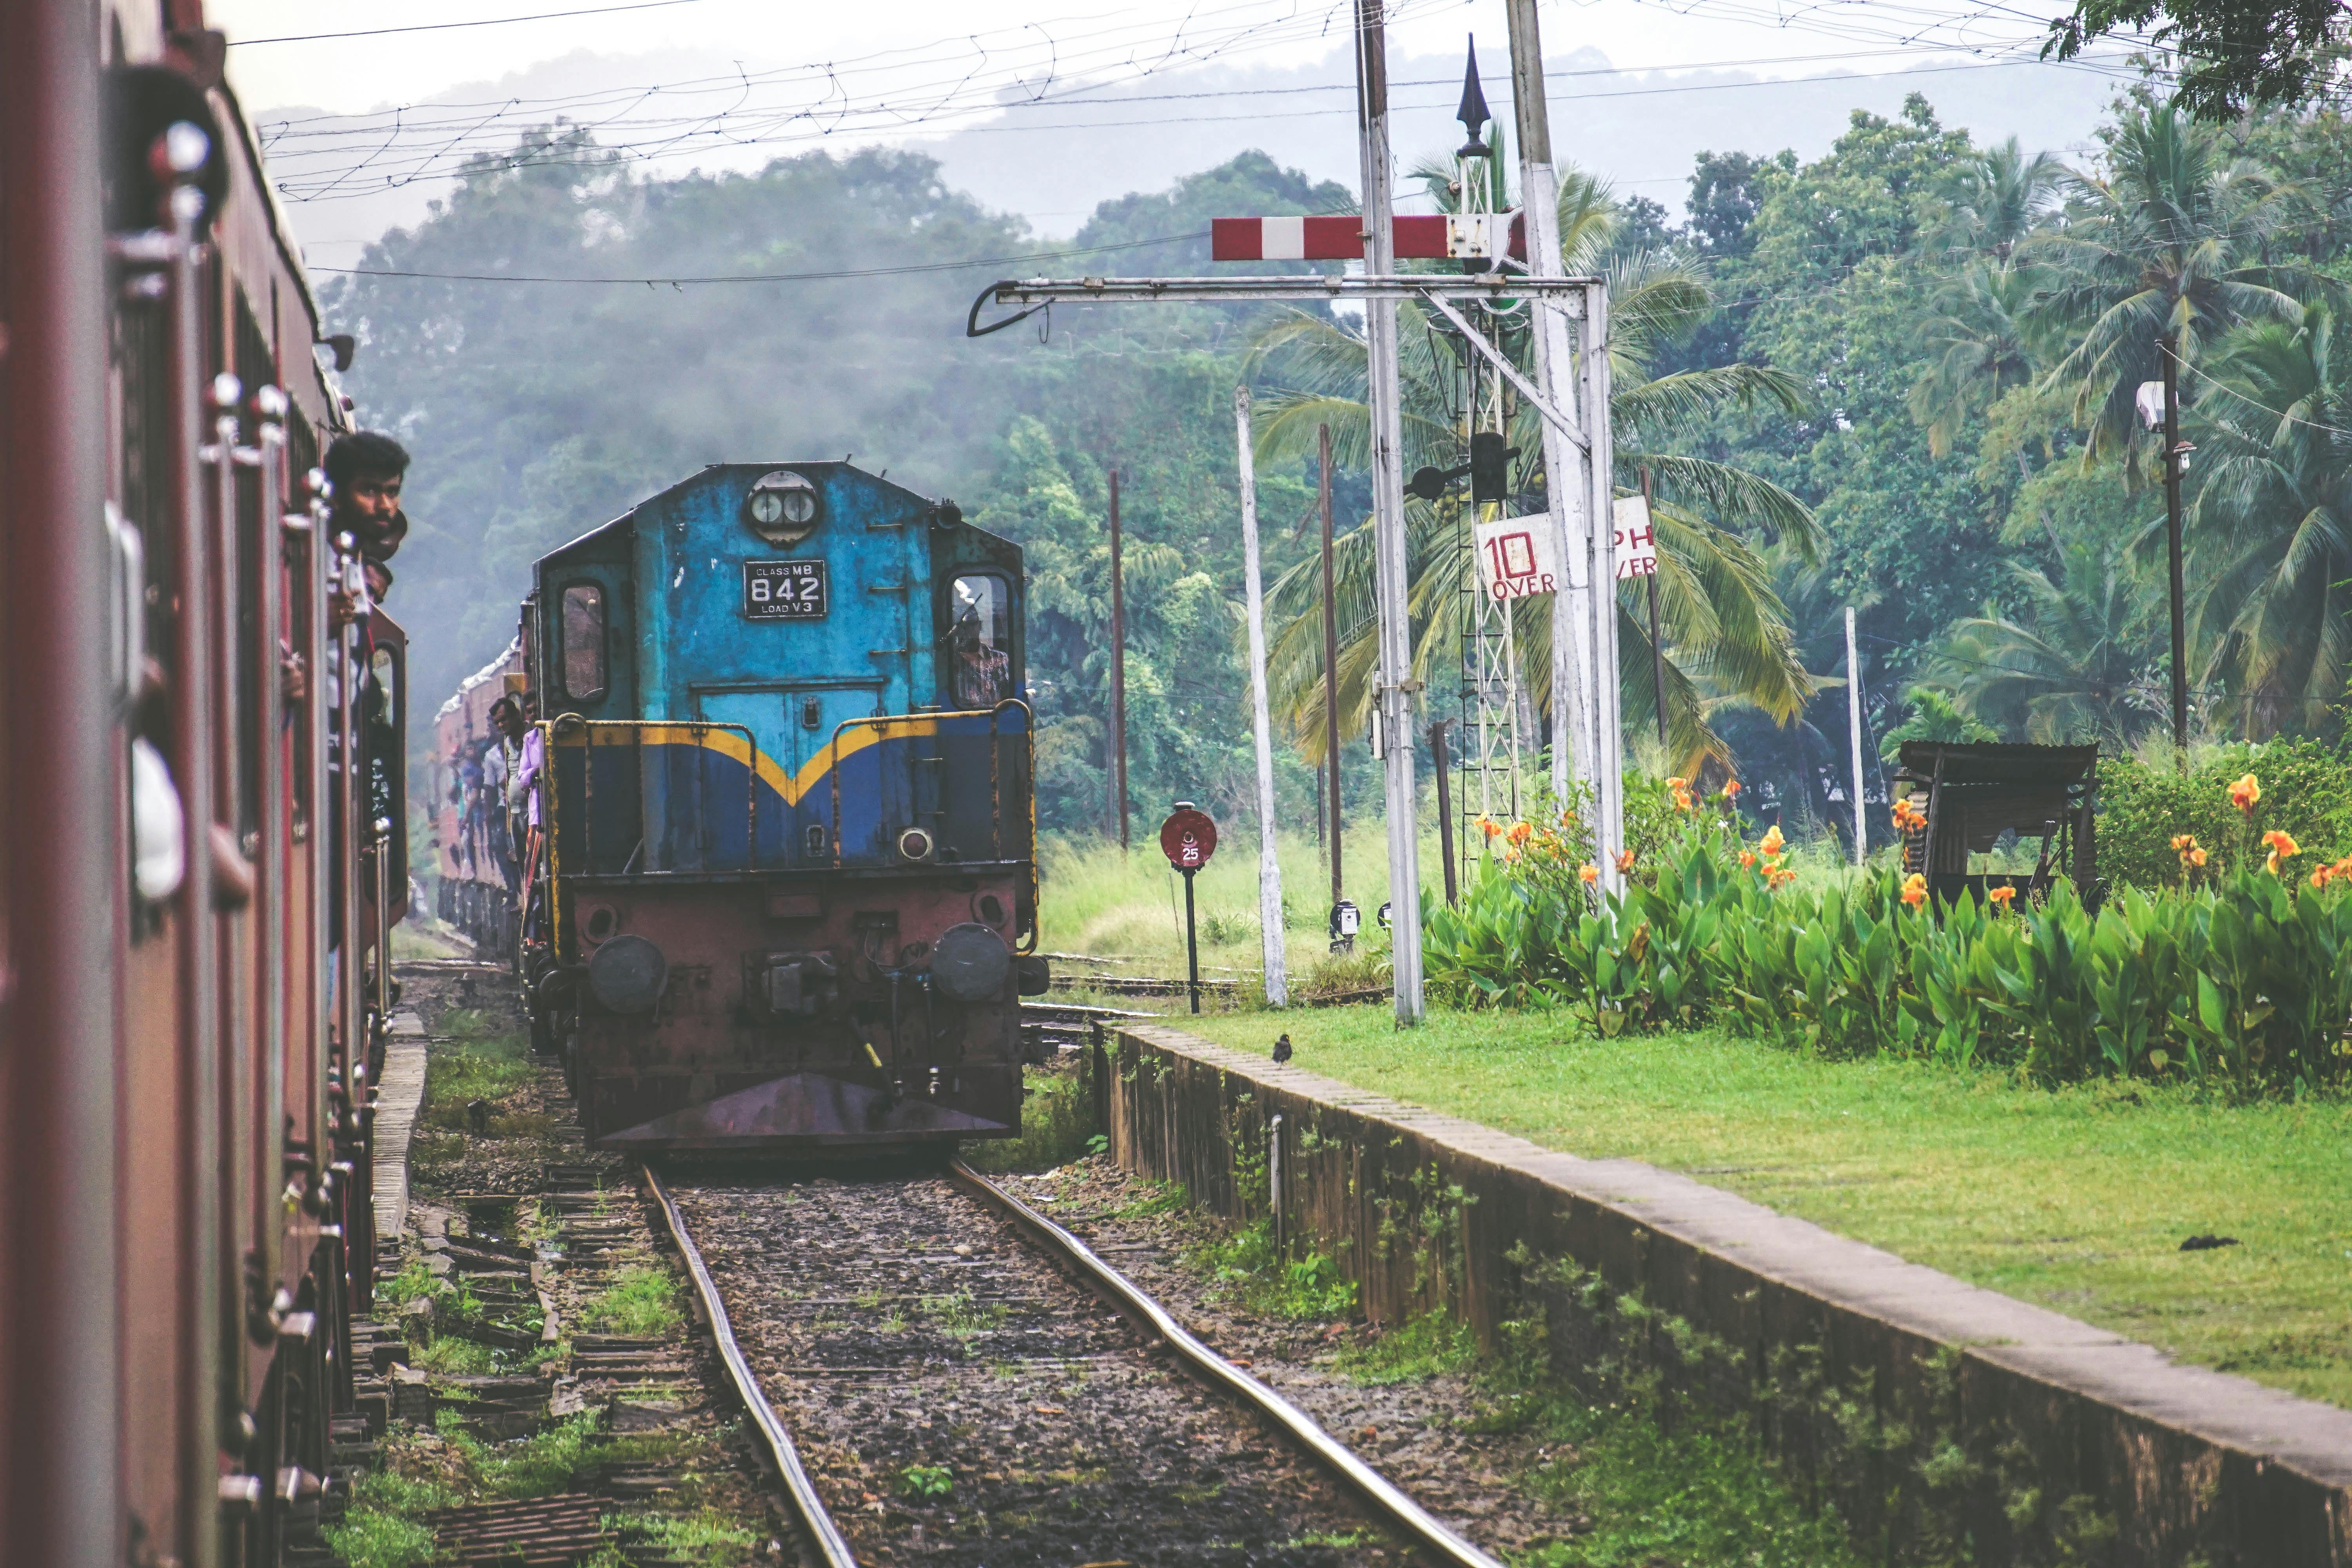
column 1689, row 1491
column 1057, row 1116
column 476, row 1064
column 2077, row 1199
column 1413, row 1352
column 1246, row 1267
column 1096, row 900
column 371, row 1538
column 641, row 1304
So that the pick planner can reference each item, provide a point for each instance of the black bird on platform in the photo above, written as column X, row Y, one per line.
column 1281, row 1049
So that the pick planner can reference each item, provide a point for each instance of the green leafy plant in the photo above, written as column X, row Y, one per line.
column 926, row 1483
column 642, row 1301
column 2240, row 980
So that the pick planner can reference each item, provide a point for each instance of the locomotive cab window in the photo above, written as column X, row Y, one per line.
column 980, row 640
column 583, row 642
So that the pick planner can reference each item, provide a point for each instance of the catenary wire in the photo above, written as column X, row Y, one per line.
column 444, row 26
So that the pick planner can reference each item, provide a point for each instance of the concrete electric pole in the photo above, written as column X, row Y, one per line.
column 1393, row 676
column 1583, row 617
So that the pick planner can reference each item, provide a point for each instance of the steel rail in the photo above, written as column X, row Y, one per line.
column 1375, row 1488
column 815, row 1519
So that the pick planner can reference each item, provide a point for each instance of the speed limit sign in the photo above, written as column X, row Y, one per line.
column 1187, row 838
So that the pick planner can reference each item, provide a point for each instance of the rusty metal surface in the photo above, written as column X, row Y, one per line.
column 712, row 1033
column 59, row 868
column 808, row 1107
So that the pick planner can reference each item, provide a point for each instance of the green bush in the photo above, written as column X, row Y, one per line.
column 2307, row 791
column 2244, row 980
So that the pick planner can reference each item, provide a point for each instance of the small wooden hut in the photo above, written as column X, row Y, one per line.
column 1972, row 795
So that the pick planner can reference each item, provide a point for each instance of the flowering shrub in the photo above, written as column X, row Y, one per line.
column 2243, row 979
column 2305, row 789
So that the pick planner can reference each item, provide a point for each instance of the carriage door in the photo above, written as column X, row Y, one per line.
column 793, row 726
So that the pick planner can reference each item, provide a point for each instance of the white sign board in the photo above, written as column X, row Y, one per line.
column 1516, row 557
column 1636, row 544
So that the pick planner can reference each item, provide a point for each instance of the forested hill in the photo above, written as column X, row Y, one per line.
column 1912, row 309
column 536, row 410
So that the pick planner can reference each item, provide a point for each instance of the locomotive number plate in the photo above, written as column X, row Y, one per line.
column 784, row 590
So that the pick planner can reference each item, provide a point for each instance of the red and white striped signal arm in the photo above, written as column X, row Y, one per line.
column 1471, row 237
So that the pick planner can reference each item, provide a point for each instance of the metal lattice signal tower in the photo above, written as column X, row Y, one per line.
column 1492, row 738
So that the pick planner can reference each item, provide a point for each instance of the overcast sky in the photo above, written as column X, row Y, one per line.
column 1048, row 106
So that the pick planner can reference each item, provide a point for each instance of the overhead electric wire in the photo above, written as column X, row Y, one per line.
column 444, row 26
column 973, row 87
column 817, row 277
column 666, row 145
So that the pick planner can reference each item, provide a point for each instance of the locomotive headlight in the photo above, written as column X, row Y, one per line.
column 781, row 508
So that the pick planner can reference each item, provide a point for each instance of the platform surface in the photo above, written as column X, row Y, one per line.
column 399, row 1095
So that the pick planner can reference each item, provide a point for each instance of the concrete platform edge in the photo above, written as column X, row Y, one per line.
column 1943, row 1420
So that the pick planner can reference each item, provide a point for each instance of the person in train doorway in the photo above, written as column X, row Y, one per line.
column 524, row 788
column 501, row 764
column 367, row 468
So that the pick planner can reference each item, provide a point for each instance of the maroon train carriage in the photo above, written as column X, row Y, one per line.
column 184, row 861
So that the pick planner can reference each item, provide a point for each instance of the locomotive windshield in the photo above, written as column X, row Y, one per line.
column 583, row 641
column 980, row 640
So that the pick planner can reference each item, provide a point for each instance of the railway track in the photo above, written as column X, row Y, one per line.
column 945, row 1376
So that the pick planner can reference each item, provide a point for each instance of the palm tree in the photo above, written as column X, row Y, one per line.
column 2272, row 523
column 2162, row 257
column 2076, row 664
column 1723, row 625
column 1998, row 197
column 1983, row 334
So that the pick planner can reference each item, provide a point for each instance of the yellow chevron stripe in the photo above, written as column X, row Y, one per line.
column 731, row 744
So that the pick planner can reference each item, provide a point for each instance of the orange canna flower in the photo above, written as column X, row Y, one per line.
column 2197, row 857
column 1915, row 889
column 1748, row 857
column 2282, row 844
column 1678, row 784
column 2246, row 794
column 1772, row 842
column 1624, row 861
column 1519, row 833
column 1731, row 789
column 2002, row 896
column 1489, row 825
column 2319, row 877
column 1590, row 874
column 1778, row 876
column 2183, row 841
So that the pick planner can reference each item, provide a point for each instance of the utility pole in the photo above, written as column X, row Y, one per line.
column 1330, row 655
column 1394, row 679
column 1657, row 643
column 1577, row 749
column 1853, row 735
column 1269, row 863
column 1117, row 668
column 2169, row 345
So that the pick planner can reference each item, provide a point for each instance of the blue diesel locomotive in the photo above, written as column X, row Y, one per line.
column 782, row 875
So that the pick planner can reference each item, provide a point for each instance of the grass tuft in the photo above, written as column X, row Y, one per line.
column 641, row 1304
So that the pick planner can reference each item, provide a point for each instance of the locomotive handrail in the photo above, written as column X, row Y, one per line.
column 995, row 781
column 573, row 724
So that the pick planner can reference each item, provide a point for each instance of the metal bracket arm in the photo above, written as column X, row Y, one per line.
column 1034, row 292
column 1527, row 388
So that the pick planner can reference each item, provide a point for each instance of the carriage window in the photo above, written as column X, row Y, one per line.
column 583, row 642
column 980, row 640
